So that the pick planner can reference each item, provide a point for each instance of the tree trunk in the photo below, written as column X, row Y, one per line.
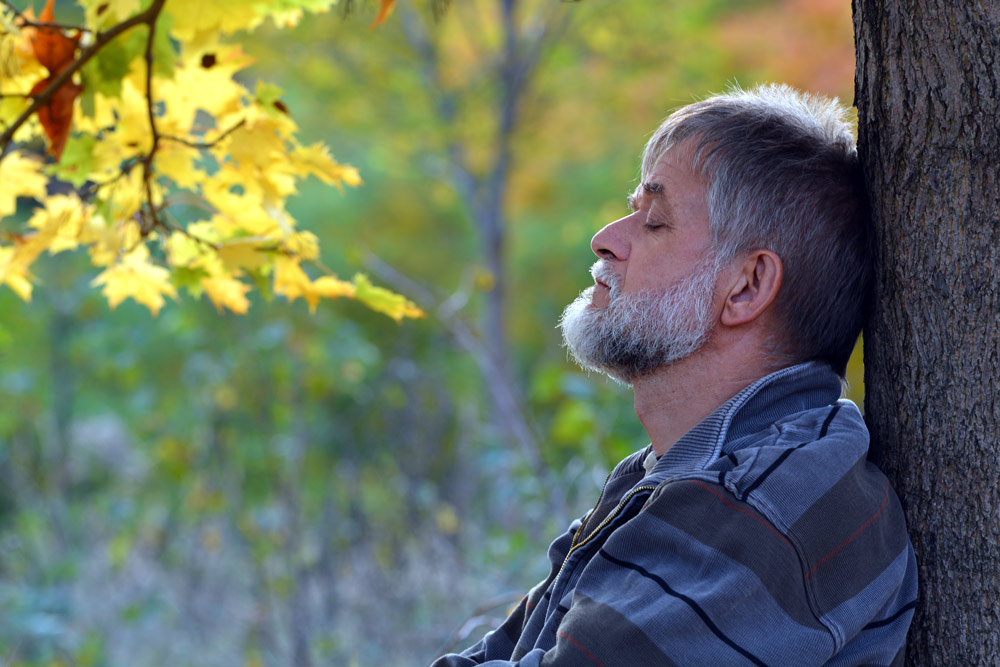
column 928, row 92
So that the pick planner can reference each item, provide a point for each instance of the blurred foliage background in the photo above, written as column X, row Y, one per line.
column 287, row 489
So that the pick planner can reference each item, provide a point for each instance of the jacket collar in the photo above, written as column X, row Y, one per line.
column 793, row 389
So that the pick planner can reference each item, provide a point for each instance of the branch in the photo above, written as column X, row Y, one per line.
column 515, row 70
column 476, row 619
column 495, row 379
column 466, row 182
column 147, row 17
column 147, row 161
column 202, row 145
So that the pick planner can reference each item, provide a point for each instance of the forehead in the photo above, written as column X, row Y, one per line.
column 673, row 179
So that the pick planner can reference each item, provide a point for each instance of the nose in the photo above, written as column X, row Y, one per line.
column 611, row 242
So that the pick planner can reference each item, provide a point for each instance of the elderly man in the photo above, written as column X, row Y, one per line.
column 751, row 530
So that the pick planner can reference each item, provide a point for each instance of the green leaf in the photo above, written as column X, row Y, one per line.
column 189, row 279
column 164, row 53
column 382, row 300
column 77, row 159
column 105, row 71
column 268, row 96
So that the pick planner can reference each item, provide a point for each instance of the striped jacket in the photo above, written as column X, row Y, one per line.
column 763, row 537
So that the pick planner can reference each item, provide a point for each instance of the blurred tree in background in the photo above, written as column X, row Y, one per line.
column 284, row 488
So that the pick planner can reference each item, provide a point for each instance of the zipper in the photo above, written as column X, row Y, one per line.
column 608, row 519
column 583, row 524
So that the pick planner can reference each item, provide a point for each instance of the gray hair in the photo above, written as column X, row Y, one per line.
column 782, row 173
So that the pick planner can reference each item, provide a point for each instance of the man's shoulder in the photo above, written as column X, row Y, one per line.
column 799, row 502
column 799, row 459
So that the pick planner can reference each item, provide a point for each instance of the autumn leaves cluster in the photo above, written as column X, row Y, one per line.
column 167, row 170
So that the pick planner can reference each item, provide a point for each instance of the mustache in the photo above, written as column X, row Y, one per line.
column 602, row 271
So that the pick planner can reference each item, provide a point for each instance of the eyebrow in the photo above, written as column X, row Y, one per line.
column 653, row 189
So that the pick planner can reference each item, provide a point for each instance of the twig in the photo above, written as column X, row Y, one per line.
column 101, row 39
column 28, row 23
column 476, row 619
column 147, row 161
column 183, row 230
column 92, row 187
column 204, row 144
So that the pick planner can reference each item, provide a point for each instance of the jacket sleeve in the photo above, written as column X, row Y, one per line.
column 698, row 577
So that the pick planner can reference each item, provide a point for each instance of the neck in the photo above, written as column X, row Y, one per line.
column 673, row 399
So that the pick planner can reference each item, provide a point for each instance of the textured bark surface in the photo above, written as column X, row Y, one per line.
column 928, row 95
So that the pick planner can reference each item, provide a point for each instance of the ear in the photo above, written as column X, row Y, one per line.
column 754, row 288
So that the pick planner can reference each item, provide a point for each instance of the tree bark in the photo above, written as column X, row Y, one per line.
column 927, row 89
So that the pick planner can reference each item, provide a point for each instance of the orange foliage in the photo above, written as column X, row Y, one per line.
column 806, row 43
column 56, row 116
column 383, row 13
column 55, row 51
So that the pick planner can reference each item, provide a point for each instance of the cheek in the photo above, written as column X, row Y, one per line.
column 648, row 275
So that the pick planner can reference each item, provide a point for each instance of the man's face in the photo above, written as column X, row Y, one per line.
column 652, row 301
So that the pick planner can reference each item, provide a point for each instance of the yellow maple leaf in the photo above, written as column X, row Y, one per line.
column 177, row 162
column 285, row 15
column 227, row 292
column 384, row 301
column 14, row 274
column 19, row 66
column 240, row 204
column 258, row 152
column 57, row 226
column 292, row 282
column 244, row 253
column 61, row 222
column 20, row 176
column 315, row 159
column 108, row 12
column 131, row 127
column 303, row 244
column 182, row 250
column 203, row 81
column 136, row 277
column 333, row 288
column 127, row 194
column 107, row 238
column 200, row 21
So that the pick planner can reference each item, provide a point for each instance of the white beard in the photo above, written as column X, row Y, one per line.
column 638, row 333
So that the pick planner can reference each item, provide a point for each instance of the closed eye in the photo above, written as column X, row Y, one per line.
column 654, row 222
